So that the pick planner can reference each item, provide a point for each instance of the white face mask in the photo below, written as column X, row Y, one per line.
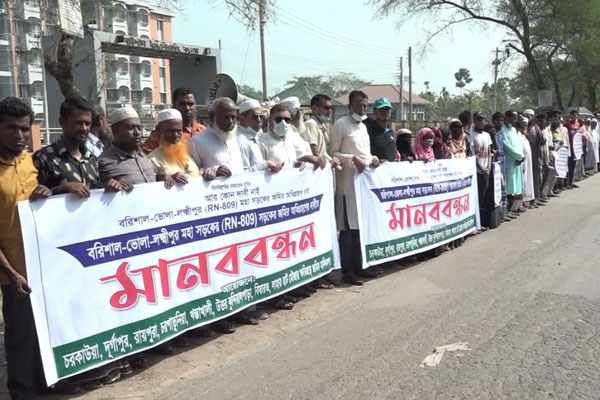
column 323, row 118
column 358, row 117
column 282, row 128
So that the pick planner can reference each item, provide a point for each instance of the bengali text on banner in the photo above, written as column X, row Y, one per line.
column 407, row 208
column 116, row 274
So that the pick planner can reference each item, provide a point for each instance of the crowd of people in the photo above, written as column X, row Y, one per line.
column 96, row 151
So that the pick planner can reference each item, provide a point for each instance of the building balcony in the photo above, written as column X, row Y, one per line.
column 29, row 41
column 26, row 9
column 31, row 73
column 141, row 82
column 118, row 26
column 36, row 104
column 30, row 10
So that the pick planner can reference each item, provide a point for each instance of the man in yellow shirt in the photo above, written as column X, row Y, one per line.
column 18, row 181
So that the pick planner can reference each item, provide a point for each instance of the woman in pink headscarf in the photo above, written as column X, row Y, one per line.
column 423, row 147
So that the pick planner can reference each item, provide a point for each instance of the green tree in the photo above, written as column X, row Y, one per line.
column 343, row 83
column 463, row 78
column 336, row 85
column 251, row 92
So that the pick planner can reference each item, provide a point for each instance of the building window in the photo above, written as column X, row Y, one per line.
column 146, row 68
column 148, row 96
column 120, row 14
column 160, row 29
column 7, row 86
column 37, row 90
column 163, row 98
column 143, row 18
column 4, row 27
column 123, row 94
column 122, row 66
column 112, row 95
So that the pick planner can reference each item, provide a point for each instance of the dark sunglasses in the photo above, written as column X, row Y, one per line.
column 279, row 119
column 326, row 107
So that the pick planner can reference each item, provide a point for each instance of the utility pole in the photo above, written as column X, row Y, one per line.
column 262, row 22
column 496, row 63
column 410, row 108
column 401, row 103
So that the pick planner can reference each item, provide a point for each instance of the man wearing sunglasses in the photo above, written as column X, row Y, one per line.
column 284, row 145
column 316, row 133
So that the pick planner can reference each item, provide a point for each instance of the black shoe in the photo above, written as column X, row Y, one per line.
column 309, row 288
column 165, row 349
column 377, row 270
column 352, row 279
column 367, row 273
column 181, row 341
column 224, row 326
column 203, row 332
column 246, row 318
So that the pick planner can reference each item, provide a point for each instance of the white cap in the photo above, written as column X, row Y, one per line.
column 249, row 104
column 529, row 111
column 121, row 114
column 293, row 103
column 168, row 114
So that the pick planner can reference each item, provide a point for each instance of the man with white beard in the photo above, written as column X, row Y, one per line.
column 219, row 150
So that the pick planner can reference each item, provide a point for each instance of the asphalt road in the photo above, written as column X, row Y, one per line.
column 521, row 301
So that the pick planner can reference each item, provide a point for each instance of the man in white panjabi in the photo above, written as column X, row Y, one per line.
column 349, row 142
column 281, row 144
column 171, row 157
column 219, row 150
column 250, row 123
column 298, row 126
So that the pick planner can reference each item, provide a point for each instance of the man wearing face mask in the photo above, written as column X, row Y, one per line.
column 316, row 133
column 219, row 150
column 350, row 143
column 281, row 144
column 251, row 120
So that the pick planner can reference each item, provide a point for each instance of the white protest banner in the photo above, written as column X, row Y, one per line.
column 561, row 162
column 578, row 145
column 497, row 184
column 407, row 208
column 116, row 274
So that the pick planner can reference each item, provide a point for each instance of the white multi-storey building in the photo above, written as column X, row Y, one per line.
column 142, row 82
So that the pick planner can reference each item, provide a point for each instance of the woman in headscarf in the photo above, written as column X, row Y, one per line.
column 440, row 149
column 423, row 147
column 458, row 143
column 404, row 145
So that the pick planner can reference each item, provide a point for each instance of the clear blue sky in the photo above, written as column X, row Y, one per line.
column 349, row 38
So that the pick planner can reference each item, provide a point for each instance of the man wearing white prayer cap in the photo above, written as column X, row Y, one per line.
column 171, row 157
column 124, row 164
column 529, row 114
column 250, row 118
column 298, row 127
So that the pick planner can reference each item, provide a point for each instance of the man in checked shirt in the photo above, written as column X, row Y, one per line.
column 67, row 166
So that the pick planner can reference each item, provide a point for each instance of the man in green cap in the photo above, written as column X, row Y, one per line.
column 381, row 135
